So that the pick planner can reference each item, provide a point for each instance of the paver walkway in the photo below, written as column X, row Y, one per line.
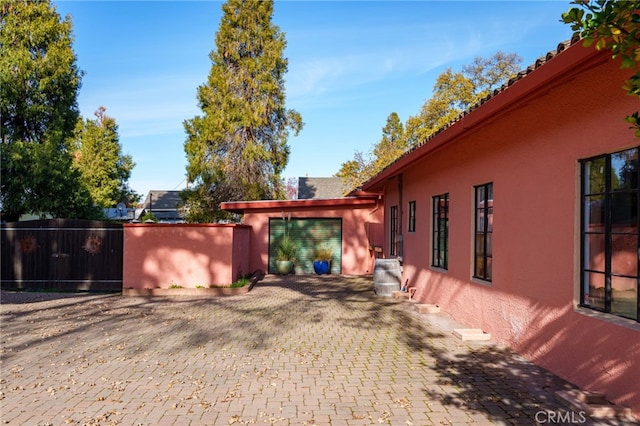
column 295, row 350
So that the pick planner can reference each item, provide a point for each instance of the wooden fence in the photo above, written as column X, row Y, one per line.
column 61, row 254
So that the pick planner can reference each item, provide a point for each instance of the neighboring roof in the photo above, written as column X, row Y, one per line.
column 276, row 205
column 162, row 200
column 164, row 205
column 546, row 71
column 320, row 187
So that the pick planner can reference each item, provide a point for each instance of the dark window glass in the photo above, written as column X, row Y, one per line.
column 483, row 264
column 610, row 255
column 440, row 236
column 393, row 230
column 411, row 226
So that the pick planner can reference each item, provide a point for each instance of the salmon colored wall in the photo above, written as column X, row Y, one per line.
column 531, row 155
column 159, row 255
column 357, row 224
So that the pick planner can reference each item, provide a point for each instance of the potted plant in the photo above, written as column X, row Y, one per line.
column 285, row 256
column 322, row 259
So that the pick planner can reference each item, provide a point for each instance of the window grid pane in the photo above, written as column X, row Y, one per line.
column 610, row 257
column 483, row 252
column 412, row 217
column 440, row 234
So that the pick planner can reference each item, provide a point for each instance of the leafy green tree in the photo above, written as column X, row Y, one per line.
column 488, row 74
column 363, row 167
column 39, row 82
column 97, row 155
column 237, row 149
column 353, row 172
column 452, row 94
column 392, row 145
column 613, row 25
column 455, row 92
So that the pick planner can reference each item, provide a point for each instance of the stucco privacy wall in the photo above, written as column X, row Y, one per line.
column 361, row 227
column 529, row 148
column 161, row 255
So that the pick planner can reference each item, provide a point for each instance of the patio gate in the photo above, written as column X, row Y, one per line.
column 61, row 254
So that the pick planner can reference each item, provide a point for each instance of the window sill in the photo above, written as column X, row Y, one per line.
column 439, row 269
column 481, row 282
column 610, row 318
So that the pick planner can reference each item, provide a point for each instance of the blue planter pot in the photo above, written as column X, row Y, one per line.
column 321, row 267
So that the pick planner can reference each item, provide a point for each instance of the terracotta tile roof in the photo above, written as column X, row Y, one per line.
column 537, row 64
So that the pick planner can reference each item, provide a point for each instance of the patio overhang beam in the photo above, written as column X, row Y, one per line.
column 243, row 206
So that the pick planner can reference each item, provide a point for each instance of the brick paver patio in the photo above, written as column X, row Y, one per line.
column 298, row 350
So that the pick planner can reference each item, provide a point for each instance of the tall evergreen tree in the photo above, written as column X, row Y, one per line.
column 237, row 149
column 39, row 83
column 97, row 155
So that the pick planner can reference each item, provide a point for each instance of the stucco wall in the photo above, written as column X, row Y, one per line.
column 358, row 225
column 531, row 155
column 161, row 255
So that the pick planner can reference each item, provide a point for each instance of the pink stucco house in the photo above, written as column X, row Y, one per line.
column 521, row 219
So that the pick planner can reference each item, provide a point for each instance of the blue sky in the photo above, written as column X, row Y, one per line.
column 351, row 64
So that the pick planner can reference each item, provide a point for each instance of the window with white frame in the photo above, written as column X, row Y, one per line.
column 609, row 222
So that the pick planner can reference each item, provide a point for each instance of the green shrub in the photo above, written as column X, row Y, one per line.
column 286, row 250
column 148, row 216
column 323, row 252
column 240, row 283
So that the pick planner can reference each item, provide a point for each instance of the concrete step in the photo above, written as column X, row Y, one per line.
column 427, row 308
column 400, row 295
column 593, row 403
column 471, row 334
